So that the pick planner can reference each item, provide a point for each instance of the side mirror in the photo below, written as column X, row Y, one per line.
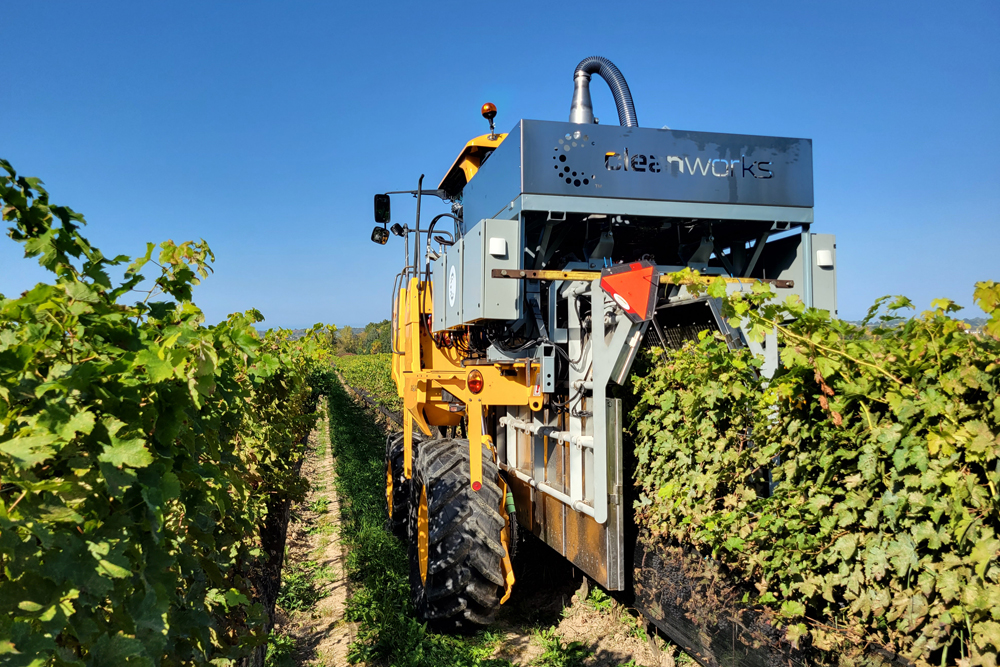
column 380, row 235
column 382, row 209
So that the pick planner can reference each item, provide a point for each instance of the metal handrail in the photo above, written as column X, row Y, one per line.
column 395, row 302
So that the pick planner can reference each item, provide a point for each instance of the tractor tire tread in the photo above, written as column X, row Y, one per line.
column 464, row 581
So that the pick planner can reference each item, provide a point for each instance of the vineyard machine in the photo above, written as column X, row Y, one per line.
column 516, row 316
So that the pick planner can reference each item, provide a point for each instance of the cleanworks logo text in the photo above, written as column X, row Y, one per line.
column 721, row 168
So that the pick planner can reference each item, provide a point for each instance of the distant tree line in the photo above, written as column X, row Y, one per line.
column 373, row 339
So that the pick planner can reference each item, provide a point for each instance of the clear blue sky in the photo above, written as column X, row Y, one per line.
column 265, row 128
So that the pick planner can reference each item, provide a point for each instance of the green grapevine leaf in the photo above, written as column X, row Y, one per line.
column 131, row 452
column 29, row 451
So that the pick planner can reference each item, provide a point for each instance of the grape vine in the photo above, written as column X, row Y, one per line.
column 139, row 449
column 373, row 373
column 856, row 489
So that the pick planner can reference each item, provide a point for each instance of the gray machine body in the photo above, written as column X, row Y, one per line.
column 609, row 162
column 467, row 293
column 539, row 193
column 619, row 171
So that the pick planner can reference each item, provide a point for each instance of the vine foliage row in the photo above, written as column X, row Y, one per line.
column 139, row 450
column 856, row 489
column 373, row 373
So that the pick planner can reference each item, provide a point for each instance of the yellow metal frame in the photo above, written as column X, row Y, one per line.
column 468, row 162
column 665, row 279
column 388, row 486
column 506, row 567
column 423, row 535
column 422, row 370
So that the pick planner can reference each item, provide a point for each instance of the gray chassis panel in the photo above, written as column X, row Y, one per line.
column 642, row 164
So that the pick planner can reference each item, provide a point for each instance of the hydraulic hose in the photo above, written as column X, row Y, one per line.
column 582, row 110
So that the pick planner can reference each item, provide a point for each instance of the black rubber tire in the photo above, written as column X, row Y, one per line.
column 464, row 579
column 398, row 515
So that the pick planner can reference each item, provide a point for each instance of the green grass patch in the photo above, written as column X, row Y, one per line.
column 280, row 649
column 636, row 626
column 323, row 528
column 558, row 653
column 320, row 506
column 600, row 601
column 299, row 586
column 388, row 632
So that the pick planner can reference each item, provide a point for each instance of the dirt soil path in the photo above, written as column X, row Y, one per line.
column 553, row 604
column 315, row 552
column 553, row 618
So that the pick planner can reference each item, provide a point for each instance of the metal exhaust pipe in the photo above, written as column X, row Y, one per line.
column 582, row 110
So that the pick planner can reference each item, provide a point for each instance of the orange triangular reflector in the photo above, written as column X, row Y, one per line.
column 633, row 287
